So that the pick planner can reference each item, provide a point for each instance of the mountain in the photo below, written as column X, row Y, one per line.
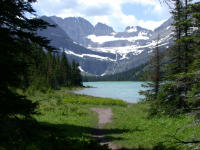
column 75, row 27
column 102, row 51
column 89, row 60
column 135, row 74
column 101, row 29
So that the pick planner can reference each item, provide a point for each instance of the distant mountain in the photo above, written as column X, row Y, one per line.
column 89, row 60
column 134, row 31
column 101, row 29
column 100, row 50
column 134, row 74
column 76, row 27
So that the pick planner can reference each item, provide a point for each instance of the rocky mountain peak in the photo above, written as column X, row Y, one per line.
column 131, row 29
column 101, row 29
column 75, row 27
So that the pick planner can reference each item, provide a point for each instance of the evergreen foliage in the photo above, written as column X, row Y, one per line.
column 193, row 96
column 49, row 70
column 76, row 74
column 155, row 77
column 27, row 62
column 180, row 92
column 17, row 33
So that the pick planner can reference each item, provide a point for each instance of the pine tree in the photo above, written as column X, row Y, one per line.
column 17, row 34
column 194, row 69
column 36, row 72
column 65, row 69
column 173, row 93
column 155, row 77
column 76, row 75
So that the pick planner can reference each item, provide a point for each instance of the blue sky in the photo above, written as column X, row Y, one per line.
column 142, row 12
column 117, row 13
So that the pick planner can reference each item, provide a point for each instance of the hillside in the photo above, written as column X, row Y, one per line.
column 102, row 51
column 135, row 74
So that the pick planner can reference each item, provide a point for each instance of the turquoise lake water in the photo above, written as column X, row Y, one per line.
column 127, row 91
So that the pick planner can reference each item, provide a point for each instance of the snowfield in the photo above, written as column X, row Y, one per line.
column 103, row 39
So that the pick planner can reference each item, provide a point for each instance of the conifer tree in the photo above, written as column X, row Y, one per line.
column 65, row 69
column 76, row 75
column 154, row 71
column 173, row 93
column 17, row 34
column 194, row 68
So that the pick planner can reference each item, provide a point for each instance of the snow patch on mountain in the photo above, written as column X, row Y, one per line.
column 103, row 39
column 142, row 34
column 103, row 74
column 133, row 29
column 168, row 27
column 89, row 55
column 81, row 69
column 120, row 50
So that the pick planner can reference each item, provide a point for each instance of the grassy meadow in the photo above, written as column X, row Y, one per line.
column 66, row 121
column 145, row 132
column 71, row 111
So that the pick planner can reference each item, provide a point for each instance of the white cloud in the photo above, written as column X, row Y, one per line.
column 105, row 11
column 150, row 24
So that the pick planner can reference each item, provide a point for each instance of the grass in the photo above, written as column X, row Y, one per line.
column 65, row 107
column 59, row 125
column 73, row 110
column 83, row 99
column 66, row 121
column 70, row 114
column 147, row 132
column 54, row 111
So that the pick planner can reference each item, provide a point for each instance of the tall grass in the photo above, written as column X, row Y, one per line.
column 83, row 99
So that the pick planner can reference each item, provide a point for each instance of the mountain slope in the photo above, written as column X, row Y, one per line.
column 101, row 29
column 87, row 59
column 134, row 74
column 100, row 50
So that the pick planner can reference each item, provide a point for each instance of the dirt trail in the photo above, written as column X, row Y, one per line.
column 104, row 116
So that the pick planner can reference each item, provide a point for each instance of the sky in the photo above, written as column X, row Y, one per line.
column 116, row 13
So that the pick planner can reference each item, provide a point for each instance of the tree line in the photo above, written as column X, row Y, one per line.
column 50, row 70
column 27, row 60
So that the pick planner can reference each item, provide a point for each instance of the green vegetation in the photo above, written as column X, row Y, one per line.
column 65, row 121
column 83, row 99
column 180, row 90
column 45, row 119
column 49, row 70
column 179, row 93
column 133, row 127
column 56, row 126
column 147, row 132
column 75, row 119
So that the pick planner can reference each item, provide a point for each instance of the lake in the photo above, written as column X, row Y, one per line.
column 127, row 91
